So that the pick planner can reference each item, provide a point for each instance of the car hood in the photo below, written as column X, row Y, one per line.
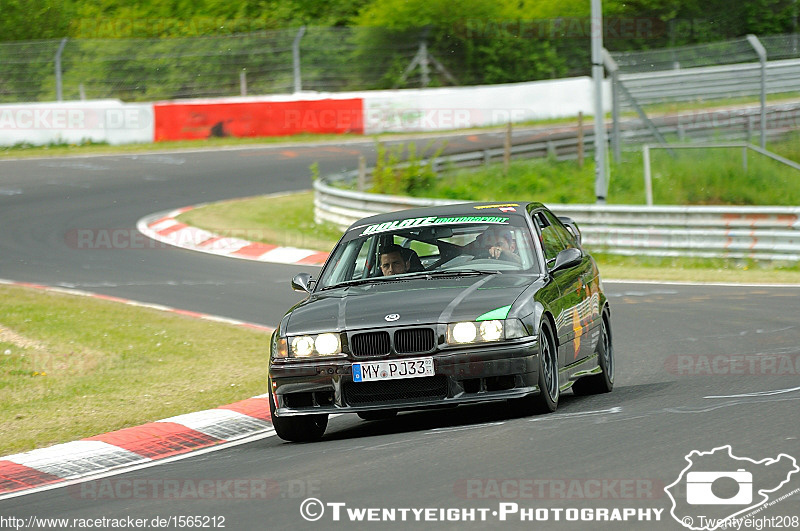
column 415, row 301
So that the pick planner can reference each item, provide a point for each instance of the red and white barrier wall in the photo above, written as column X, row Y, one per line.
column 369, row 112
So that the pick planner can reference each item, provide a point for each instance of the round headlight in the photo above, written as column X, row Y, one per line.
column 464, row 332
column 492, row 330
column 302, row 346
column 327, row 344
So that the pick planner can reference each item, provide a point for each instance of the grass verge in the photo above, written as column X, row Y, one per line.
column 73, row 367
column 284, row 219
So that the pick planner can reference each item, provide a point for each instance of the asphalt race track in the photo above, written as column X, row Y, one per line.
column 698, row 367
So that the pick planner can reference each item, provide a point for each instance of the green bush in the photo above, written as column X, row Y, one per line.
column 400, row 170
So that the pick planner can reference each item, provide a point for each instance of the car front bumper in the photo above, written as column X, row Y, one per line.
column 463, row 375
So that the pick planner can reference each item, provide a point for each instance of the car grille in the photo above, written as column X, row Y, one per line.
column 394, row 391
column 414, row 340
column 370, row 344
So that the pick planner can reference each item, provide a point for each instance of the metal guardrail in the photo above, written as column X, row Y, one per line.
column 761, row 233
column 713, row 82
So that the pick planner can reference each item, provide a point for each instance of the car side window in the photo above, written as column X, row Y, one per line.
column 554, row 237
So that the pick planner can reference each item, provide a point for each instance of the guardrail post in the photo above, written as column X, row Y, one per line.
column 243, row 82
column 487, row 157
column 551, row 150
column 648, row 181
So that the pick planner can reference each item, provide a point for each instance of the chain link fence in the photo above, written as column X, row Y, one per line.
column 325, row 59
column 330, row 59
column 728, row 52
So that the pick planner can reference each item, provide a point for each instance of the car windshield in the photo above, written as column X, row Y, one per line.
column 431, row 247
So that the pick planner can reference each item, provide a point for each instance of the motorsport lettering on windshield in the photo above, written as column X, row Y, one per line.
column 430, row 220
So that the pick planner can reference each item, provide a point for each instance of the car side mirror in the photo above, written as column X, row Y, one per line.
column 566, row 259
column 302, row 282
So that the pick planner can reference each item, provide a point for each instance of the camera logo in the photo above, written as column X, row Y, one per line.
column 700, row 487
column 716, row 487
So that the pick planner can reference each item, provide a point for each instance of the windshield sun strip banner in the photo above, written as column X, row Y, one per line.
column 431, row 220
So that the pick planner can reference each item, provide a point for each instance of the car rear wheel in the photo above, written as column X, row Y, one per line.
column 303, row 428
column 382, row 414
column 547, row 399
column 603, row 382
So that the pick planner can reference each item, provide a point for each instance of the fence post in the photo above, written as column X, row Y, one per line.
column 424, row 64
column 59, row 88
column 648, row 181
column 762, row 58
column 298, row 82
column 600, row 170
column 507, row 150
column 362, row 173
column 744, row 159
column 580, row 139
column 243, row 82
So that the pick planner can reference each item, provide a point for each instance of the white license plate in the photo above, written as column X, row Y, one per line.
column 392, row 370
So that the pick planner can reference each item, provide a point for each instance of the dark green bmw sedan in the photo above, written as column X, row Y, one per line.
column 440, row 306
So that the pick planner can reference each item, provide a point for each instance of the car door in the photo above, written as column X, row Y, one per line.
column 570, row 309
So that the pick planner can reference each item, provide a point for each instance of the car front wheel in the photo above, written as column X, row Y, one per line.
column 304, row 428
column 547, row 399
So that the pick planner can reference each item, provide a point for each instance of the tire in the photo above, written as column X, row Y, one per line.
column 547, row 399
column 382, row 414
column 302, row 428
column 603, row 382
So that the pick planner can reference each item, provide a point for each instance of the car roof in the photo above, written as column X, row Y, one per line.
column 457, row 209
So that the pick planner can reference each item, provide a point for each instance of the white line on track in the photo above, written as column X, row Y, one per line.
column 757, row 393
column 615, row 409
column 696, row 283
